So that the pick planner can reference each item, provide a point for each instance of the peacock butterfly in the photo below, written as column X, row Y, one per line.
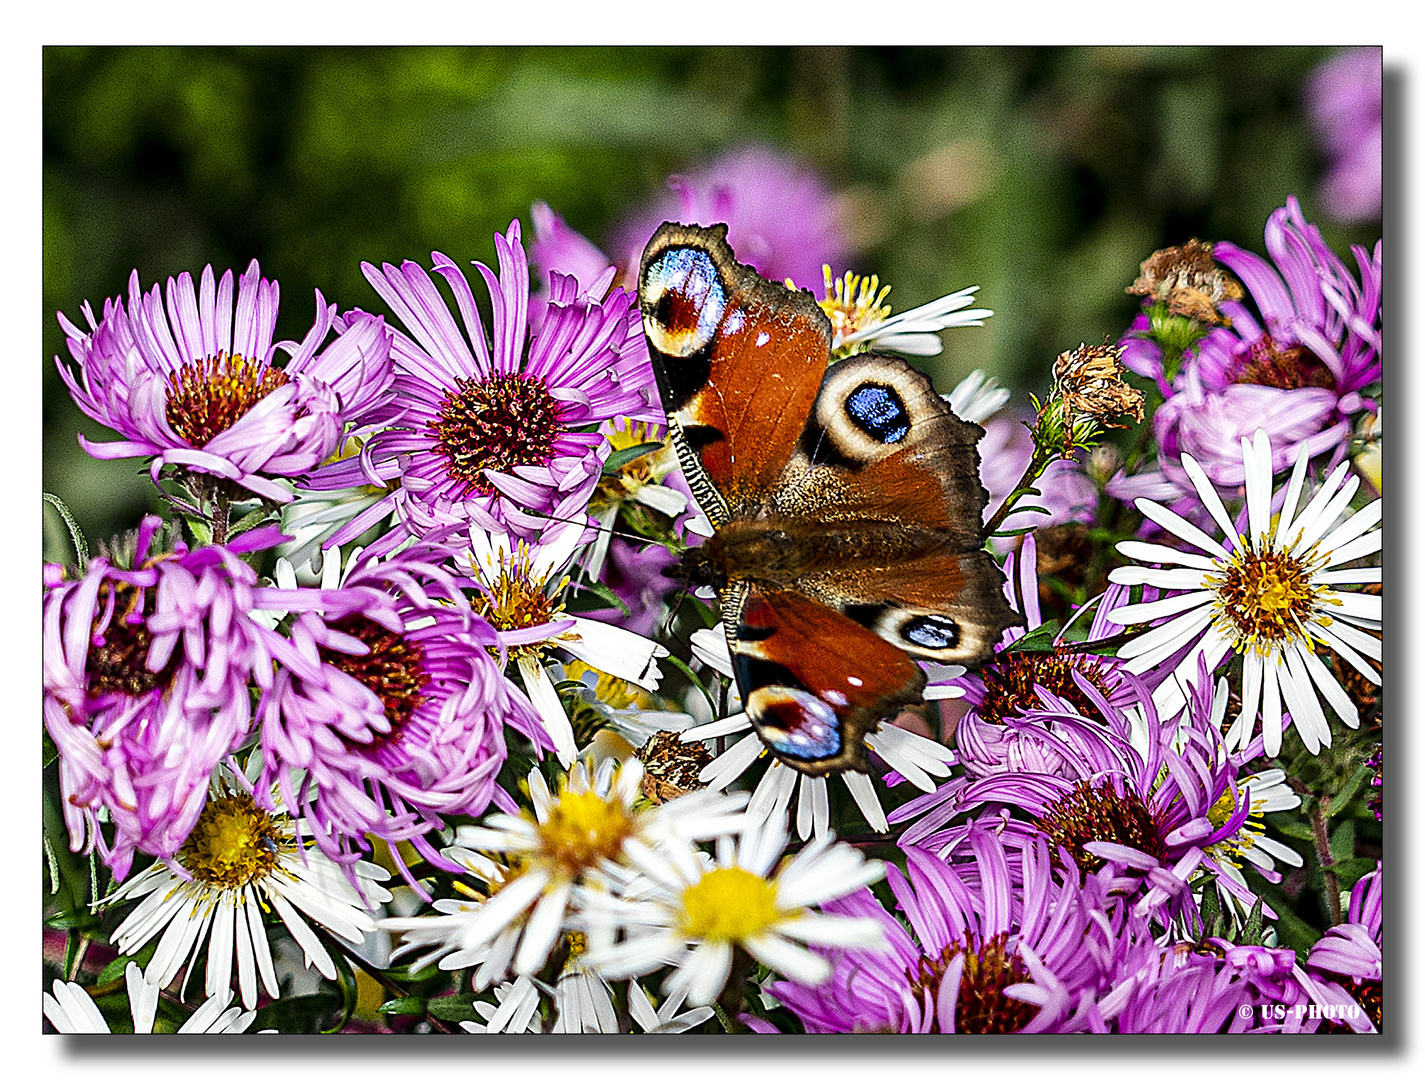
column 845, row 500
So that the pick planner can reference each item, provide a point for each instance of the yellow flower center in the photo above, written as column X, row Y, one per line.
column 1229, row 849
column 1266, row 599
column 853, row 303
column 516, row 598
column 729, row 904
column 582, row 829
column 234, row 842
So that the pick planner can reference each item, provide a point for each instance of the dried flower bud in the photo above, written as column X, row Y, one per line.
column 1188, row 282
column 670, row 767
column 1089, row 380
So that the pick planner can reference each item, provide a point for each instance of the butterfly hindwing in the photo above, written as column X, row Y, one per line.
column 809, row 706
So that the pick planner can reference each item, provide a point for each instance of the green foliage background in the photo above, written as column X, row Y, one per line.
column 1045, row 175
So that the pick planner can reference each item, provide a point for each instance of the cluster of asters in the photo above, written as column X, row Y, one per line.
column 384, row 685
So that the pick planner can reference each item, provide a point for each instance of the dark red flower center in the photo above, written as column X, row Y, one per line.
column 1368, row 993
column 118, row 653
column 393, row 669
column 1010, row 681
column 981, row 1007
column 206, row 397
column 497, row 424
column 1292, row 368
column 1100, row 812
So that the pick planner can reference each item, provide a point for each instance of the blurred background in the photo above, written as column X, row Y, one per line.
column 1043, row 175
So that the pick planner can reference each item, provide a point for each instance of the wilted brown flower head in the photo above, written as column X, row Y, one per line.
column 1188, row 281
column 1089, row 380
column 671, row 767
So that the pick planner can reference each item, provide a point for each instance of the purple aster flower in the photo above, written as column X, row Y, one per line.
column 1169, row 807
column 780, row 218
column 1343, row 101
column 496, row 432
column 1297, row 368
column 146, row 671
column 388, row 709
column 993, row 941
column 1191, row 989
column 195, row 384
column 1345, row 965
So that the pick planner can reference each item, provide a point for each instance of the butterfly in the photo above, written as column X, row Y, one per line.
column 845, row 501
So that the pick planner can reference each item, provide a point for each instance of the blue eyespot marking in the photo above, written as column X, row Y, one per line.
column 932, row 632
column 688, row 300
column 795, row 723
column 879, row 412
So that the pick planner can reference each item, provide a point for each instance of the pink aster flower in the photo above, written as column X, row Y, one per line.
column 496, row 432
column 146, row 673
column 195, row 383
column 991, row 942
column 1298, row 366
column 1171, row 808
column 388, row 710
column 1345, row 965
column 780, row 218
column 1343, row 102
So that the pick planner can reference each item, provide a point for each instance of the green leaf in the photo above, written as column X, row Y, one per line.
column 1038, row 640
column 413, row 1005
column 115, row 968
column 346, row 979
column 1343, row 842
column 1294, row 827
column 619, row 458
column 1342, row 799
column 202, row 530
column 454, row 1007
column 1252, row 929
column 76, row 536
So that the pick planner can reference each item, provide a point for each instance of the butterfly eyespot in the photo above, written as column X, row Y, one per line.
column 878, row 411
column 795, row 722
column 932, row 632
column 683, row 301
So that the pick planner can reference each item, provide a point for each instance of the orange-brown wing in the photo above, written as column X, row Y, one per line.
column 814, row 682
column 739, row 361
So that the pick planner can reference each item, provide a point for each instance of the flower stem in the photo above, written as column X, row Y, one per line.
column 1322, row 839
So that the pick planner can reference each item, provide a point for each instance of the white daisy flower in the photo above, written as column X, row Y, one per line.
column 579, row 835
column 238, row 864
column 689, row 912
column 515, row 1010
column 1269, row 597
column 72, row 1011
column 523, row 586
column 862, row 321
column 583, row 1004
column 914, row 757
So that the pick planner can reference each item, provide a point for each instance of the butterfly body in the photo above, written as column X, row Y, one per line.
column 845, row 500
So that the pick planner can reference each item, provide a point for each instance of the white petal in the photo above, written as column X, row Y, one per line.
column 622, row 653
column 545, row 700
column 1293, row 496
column 864, row 792
column 1160, row 609
column 1180, row 527
column 1160, row 553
